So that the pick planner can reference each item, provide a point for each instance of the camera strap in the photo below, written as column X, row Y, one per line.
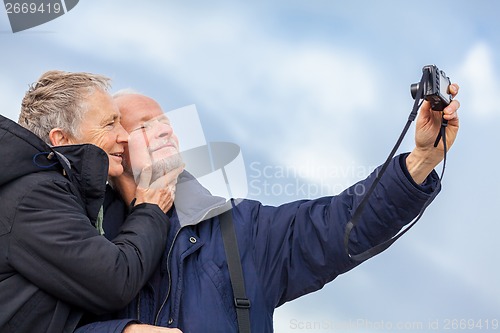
column 241, row 302
column 357, row 213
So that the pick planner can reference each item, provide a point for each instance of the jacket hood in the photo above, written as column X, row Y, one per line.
column 88, row 170
column 24, row 153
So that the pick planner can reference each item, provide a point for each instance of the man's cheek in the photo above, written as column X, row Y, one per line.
column 138, row 156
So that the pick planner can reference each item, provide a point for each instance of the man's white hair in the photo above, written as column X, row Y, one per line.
column 125, row 92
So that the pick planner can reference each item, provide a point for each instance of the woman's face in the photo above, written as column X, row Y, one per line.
column 101, row 127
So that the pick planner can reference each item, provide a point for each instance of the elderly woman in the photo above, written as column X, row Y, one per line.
column 54, row 262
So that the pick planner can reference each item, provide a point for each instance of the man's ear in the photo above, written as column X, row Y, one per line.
column 59, row 138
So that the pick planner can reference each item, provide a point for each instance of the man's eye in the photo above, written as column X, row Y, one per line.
column 139, row 128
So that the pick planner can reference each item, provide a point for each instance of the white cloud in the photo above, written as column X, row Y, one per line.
column 307, row 94
column 480, row 81
column 324, row 91
column 159, row 32
column 9, row 107
column 463, row 266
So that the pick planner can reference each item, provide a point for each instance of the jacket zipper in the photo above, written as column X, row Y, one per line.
column 169, row 276
column 168, row 271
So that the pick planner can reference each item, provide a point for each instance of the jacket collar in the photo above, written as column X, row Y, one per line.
column 194, row 203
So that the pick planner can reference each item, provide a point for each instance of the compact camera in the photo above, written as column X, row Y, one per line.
column 435, row 88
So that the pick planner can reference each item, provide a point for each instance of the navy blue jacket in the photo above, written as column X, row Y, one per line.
column 286, row 251
column 54, row 265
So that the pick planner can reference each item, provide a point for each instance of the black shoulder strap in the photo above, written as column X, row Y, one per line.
column 241, row 301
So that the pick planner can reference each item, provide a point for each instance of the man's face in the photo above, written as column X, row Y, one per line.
column 151, row 137
column 101, row 127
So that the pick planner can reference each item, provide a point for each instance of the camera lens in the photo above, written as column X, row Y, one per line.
column 414, row 89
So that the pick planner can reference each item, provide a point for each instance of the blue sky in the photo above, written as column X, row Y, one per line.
column 315, row 93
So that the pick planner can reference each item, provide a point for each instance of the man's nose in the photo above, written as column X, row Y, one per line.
column 162, row 130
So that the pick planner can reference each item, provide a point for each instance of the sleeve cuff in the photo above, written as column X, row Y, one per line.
column 429, row 185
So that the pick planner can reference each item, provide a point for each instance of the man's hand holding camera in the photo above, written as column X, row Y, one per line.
column 425, row 157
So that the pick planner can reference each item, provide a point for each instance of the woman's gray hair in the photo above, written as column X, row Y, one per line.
column 59, row 100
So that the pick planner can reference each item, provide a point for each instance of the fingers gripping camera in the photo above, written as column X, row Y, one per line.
column 435, row 88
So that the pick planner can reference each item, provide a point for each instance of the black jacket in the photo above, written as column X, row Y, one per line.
column 54, row 264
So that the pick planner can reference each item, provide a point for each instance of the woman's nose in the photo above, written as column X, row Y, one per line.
column 122, row 136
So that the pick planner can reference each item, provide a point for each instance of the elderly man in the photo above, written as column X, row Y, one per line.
column 54, row 262
column 286, row 251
